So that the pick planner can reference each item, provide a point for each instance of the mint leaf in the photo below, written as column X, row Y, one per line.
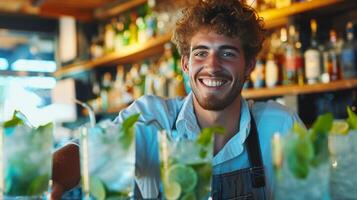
column 319, row 133
column 129, row 122
column 206, row 134
column 322, row 125
column 126, row 132
column 352, row 119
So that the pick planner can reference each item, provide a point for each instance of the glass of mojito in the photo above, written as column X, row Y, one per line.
column 26, row 159
column 108, row 160
column 185, row 166
column 301, row 161
column 343, row 149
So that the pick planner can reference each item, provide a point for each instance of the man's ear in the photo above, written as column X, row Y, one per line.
column 184, row 63
column 250, row 67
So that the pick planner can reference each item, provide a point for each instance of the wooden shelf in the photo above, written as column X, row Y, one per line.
column 129, row 54
column 112, row 10
column 270, row 16
column 273, row 18
column 297, row 90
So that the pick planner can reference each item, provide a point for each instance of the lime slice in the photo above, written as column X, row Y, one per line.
column 339, row 128
column 172, row 190
column 189, row 196
column 96, row 188
column 184, row 175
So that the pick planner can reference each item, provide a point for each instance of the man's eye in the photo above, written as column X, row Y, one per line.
column 200, row 54
column 227, row 54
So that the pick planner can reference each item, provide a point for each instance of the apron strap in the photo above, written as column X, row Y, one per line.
column 254, row 155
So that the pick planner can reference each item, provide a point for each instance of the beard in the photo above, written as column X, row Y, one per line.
column 214, row 102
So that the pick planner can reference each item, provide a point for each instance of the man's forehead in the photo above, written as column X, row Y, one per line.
column 211, row 39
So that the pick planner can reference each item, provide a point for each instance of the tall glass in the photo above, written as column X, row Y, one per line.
column 343, row 177
column 287, row 185
column 26, row 159
column 185, row 167
column 107, row 161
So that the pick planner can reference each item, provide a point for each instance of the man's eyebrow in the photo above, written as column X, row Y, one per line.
column 199, row 47
column 223, row 47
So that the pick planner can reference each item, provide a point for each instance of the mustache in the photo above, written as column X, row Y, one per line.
column 216, row 74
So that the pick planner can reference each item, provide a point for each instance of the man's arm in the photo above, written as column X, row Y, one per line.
column 65, row 170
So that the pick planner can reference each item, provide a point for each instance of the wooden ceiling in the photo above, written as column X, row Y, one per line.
column 80, row 9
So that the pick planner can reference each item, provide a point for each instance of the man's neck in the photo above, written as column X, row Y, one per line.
column 229, row 118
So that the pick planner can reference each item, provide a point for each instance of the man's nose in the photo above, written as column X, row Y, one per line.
column 213, row 62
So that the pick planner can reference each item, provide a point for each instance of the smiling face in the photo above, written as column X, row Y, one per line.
column 217, row 69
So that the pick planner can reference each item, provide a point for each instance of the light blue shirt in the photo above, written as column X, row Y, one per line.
column 270, row 118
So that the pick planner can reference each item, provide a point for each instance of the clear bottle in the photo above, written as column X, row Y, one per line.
column 349, row 54
column 313, row 57
column 331, row 59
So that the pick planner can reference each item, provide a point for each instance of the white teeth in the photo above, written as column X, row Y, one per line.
column 212, row 83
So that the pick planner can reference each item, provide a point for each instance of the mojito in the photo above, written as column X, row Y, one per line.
column 185, row 166
column 108, row 160
column 26, row 160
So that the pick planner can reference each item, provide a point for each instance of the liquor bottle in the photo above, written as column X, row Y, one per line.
column 141, row 25
column 271, row 72
column 109, row 36
column 119, row 36
column 280, row 57
column 313, row 57
column 299, row 59
column 331, row 59
column 151, row 20
column 290, row 58
column 126, row 33
column 257, row 76
column 349, row 54
column 133, row 28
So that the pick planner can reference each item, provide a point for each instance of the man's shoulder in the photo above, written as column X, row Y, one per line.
column 152, row 102
column 272, row 108
column 153, row 107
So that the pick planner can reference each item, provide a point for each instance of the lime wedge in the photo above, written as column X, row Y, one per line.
column 184, row 175
column 339, row 127
column 172, row 190
column 97, row 189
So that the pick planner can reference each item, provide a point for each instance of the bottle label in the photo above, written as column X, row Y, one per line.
column 348, row 63
column 312, row 64
column 271, row 76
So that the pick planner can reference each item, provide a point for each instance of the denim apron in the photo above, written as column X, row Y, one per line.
column 242, row 184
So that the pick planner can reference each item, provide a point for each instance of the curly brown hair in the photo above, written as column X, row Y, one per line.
column 228, row 17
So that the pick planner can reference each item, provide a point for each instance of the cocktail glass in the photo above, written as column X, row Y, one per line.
column 185, row 167
column 343, row 177
column 287, row 185
column 107, row 161
column 26, row 159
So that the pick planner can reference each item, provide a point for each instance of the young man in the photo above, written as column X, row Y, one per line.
column 218, row 41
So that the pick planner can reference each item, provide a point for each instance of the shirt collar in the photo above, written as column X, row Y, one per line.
column 186, row 123
column 235, row 146
column 187, row 126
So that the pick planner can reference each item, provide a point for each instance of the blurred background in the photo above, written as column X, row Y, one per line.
column 108, row 53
